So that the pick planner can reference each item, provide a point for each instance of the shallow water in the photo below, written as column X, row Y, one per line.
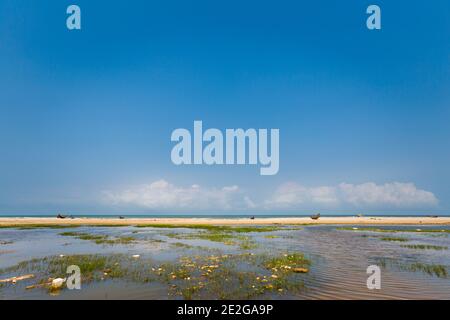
column 339, row 259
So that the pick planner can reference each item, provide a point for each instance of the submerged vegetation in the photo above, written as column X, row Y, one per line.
column 423, row 247
column 271, row 236
column 228, row 277
column 215, row 228
column 374, row 229
column 99, row 238
column 243, row 242
column 93, row 268
column 213, row 276
column 431, row 269
column 437, row 270
column 289, row 262
column 228, row 235
column 394, row 239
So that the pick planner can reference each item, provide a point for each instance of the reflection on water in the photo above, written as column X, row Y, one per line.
column 339, row 259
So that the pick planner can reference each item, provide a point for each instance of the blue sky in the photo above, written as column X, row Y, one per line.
column 86, row 116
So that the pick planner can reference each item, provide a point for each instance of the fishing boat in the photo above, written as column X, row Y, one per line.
column 315, row 216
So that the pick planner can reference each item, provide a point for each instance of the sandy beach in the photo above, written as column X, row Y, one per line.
column 220, row 221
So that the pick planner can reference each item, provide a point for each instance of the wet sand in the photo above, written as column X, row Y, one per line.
column 4, row 222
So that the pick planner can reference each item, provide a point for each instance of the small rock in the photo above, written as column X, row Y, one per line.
column 300, row 270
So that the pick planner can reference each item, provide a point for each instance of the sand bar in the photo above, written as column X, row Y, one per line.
column 221, row 221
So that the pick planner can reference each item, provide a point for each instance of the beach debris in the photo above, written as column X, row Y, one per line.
column 15, row 279
column 57, row 283
column 359, row 215
column 300, row 270
column 121, row 217
column 252, row 218
column 34, row 286
column 31, row 287
column 61, row 216
column 40, row 285
column 315, row 216
column 136, row 256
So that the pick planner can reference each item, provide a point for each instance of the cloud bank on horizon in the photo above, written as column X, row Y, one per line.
column 162, row 195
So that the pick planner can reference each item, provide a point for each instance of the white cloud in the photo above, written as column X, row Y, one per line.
column 292, row 194
column 161, row 195
column 365, row 195
column 395, row 194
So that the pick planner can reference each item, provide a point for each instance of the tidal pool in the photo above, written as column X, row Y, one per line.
column 209, row 262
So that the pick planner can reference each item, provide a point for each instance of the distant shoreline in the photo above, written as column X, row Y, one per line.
column 375, row 220
column 216, row 216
